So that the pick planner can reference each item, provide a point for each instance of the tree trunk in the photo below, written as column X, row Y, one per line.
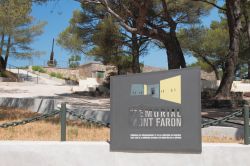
column 248, row 70
column 245, row 13
column 2, row 64
column 135, row 54
column 175, row 55
column 1, row 50
column 216, row 72
column 234, row 24
column 7, row 52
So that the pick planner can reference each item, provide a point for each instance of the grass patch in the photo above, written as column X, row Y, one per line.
column 39, row 69
column 3, row 74
column 24, row 67
column 48, row 130
column 57, row 75
column 8, row 74
column 221, row 140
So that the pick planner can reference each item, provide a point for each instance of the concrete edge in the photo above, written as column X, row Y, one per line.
column 103, row 143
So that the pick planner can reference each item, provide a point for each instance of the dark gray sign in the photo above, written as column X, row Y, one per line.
column 156, row 112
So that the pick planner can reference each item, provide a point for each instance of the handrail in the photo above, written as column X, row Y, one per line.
column 18, row 74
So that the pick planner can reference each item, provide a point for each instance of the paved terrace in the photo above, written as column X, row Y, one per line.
column 98, row 154
column 50, row 88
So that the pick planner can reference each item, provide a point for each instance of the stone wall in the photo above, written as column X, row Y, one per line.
column 85, row 71
column 89, row 71
column 66, row 72
column 208, row 76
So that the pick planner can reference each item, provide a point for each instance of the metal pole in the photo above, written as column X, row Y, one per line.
column 27, row 75
column 246, row 124
column 37, row 78
column 63, row 121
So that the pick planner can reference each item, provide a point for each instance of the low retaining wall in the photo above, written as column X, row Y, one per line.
column 211, row 103
column 3, row 79
column 98, row 154
column 101, row 116
column 47, row 105
column 224, row 132
column 237, row 86
column 31, row 104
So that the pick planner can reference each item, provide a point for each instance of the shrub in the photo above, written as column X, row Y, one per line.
column 23, row 67
column 52, row 74
column 57, row 75
column 2, row 74
column 39, row 69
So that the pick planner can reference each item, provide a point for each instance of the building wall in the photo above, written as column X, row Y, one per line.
column 88, row 70
column 85, row 71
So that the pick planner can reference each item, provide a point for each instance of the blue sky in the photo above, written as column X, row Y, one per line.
column 57, row 15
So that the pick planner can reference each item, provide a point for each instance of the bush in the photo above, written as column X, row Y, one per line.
column 74, row 65
column 74, row 61
column 57, row 75
column 23, row 67
column 2, row 74
column 52, row 74
column 39, row 69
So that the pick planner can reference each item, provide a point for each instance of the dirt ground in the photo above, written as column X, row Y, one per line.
column 49, row 129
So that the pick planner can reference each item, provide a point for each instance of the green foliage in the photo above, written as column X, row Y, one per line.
column 87, row 25
column 99, row 74
column 202, row 41
column 108, row 42
column 204, row 66
column 13, row 13
column 52, row 74
column 23, row 67
column 57, row 75
column 2, row 74
column 39, row 69
column 209, row 45
column 157, row 20
column 74, row 61
column 212, row 44
column 17, row 29
column 72, row 38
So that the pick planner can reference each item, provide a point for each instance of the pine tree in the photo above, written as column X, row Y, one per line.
column 17, row 30
column 108, row 42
